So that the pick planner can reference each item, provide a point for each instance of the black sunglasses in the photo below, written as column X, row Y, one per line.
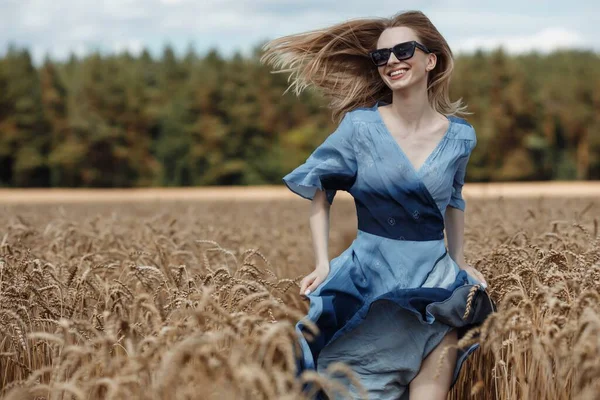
column 402, row 51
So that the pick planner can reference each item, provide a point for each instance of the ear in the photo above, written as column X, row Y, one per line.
column 431, row 62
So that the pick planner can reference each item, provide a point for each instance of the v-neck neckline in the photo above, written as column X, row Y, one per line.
column 401, row 151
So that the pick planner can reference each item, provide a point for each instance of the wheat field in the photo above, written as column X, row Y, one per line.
column 198, row 299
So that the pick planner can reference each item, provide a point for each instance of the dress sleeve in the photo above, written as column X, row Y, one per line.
column 457, row 200
column 331, row 166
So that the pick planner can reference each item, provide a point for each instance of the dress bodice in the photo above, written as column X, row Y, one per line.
column 392, row 199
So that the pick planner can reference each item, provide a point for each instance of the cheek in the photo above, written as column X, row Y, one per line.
column 419, row 68
column 417, row 65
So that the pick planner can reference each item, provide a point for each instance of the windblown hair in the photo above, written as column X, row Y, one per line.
column 336, row 61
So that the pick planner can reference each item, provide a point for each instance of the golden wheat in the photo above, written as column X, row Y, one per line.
column 183, row 301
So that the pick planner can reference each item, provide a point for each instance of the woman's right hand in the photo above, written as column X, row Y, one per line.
column 312, row 281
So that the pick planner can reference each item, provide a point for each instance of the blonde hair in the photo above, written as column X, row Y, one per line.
column 336, row 60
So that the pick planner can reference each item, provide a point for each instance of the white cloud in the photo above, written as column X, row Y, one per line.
column 543, row 41
column 133, row 46
column 172, row 1
column 35, row 21
column 62, row 26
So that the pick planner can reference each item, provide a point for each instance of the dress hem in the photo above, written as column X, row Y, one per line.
column 427, row 304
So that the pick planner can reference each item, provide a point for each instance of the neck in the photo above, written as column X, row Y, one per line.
column 411, row 107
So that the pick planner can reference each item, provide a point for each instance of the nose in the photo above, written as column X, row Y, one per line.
column 393, row 59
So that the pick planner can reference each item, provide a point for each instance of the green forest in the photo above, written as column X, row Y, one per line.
column 119, row 120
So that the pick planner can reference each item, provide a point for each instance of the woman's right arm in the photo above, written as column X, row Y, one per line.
column 319, row 227
column 332, row 166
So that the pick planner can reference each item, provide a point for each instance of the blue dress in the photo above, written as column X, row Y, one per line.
column 394, row 293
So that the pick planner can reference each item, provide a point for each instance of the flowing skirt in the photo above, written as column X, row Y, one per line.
column 385, row 305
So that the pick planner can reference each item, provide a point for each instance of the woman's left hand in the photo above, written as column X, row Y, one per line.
column 475, row 274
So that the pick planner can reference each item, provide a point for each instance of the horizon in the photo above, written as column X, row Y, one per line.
column 180, row 55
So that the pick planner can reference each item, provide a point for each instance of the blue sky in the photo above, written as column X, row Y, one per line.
column 58, row 27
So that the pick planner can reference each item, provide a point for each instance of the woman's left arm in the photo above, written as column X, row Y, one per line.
column 455, row 216
column 455, row 228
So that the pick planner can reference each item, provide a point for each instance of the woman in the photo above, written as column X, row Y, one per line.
column 390, row 303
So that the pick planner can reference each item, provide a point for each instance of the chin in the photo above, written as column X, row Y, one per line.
column 405, row 83
column 402, row 84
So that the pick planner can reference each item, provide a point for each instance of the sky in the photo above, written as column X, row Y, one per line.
column 59, row 27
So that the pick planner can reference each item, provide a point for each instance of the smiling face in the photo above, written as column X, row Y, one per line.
column 413, row 71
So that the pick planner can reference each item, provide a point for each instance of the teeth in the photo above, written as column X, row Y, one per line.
column 398, row 72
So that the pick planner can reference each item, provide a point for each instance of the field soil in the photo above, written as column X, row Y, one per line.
column 470, row 190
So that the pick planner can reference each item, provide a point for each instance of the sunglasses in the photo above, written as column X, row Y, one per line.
column 402, row 51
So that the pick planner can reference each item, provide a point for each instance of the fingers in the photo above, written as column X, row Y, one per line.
column 310, row 283
column 477, row 276
column 304, row 284
column 315, row 284
column 481, row 278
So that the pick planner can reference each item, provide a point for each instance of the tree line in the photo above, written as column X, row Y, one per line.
column 136, row 121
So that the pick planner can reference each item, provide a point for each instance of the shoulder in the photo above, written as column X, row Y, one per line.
column 363, row 115
column 461, row 129
column 353, row 119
